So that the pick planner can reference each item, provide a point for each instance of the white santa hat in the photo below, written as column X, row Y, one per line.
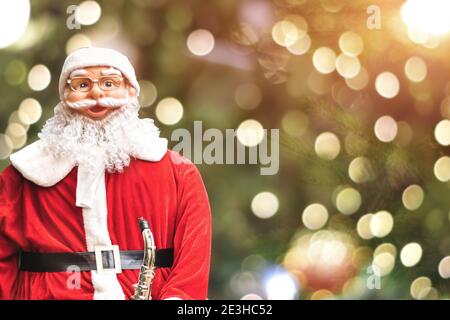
column 94, row 57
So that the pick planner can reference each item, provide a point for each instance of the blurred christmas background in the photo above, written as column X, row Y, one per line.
column 360, row 91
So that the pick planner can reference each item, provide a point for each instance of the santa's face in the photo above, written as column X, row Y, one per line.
column 89, row 86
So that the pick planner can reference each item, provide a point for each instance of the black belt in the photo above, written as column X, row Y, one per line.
column 86, row 261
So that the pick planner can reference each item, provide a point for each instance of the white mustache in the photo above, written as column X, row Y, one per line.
column 107, row 102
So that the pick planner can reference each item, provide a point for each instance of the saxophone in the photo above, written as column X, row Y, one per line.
column 143, row 289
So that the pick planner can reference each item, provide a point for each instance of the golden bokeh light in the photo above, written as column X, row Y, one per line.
column 348, row 66
column 6, row 146
column 420, row 287
column 17, row 134
column 280, row 286
column 416, row 69
column 14, row 17
column 39, row 77
column 418, row 36
column 351, row 44
column 264, row 205
column 442, row 132
column 444, row 268
column 285, row 33
column 200, row 42
column 387, row 85
column 30, row 111
column 88, row 12
column 324, row 60
column 169, row 111
column 291, row 32
column 348, row 201
column 327, row 249
column 299, row 22
column 363, row 226
column 441, row 169
column 354, row 288
column 383, row 263
column 432, row 42
column 15, row 130
column 411, row 254
column 14, row 118
column 250, row 133
column 315, row 216
column 19, row 141
column 381, row 224
column 412, row 197
column 360, row 170
column 300, row 46
column 430, row 16
column 386, row 247
column 322, row 260
column 386, row 129
column 327, row 146
column 148, row 93
column 360, row 81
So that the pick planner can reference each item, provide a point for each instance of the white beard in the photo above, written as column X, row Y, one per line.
column 121, row 135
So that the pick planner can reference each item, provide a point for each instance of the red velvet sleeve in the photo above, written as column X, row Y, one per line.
column 192, row 241
column 10, row 192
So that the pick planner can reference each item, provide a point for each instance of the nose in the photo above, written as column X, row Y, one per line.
column 96, row 93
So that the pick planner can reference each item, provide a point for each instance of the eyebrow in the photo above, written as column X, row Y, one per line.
column 78, row 72
column 111, row 71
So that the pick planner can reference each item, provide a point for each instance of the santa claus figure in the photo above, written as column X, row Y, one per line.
column 70, row 202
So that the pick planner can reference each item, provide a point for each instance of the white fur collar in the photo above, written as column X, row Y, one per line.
column 43, row 169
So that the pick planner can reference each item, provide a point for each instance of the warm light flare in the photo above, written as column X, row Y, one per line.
column 429, row 16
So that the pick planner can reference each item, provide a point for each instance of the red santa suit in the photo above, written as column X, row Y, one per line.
column 49, row 205
column 55, row 204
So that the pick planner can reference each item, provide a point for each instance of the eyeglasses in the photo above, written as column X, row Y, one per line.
column 85, row 84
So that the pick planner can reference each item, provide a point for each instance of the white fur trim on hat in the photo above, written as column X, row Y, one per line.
column 92, row 57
